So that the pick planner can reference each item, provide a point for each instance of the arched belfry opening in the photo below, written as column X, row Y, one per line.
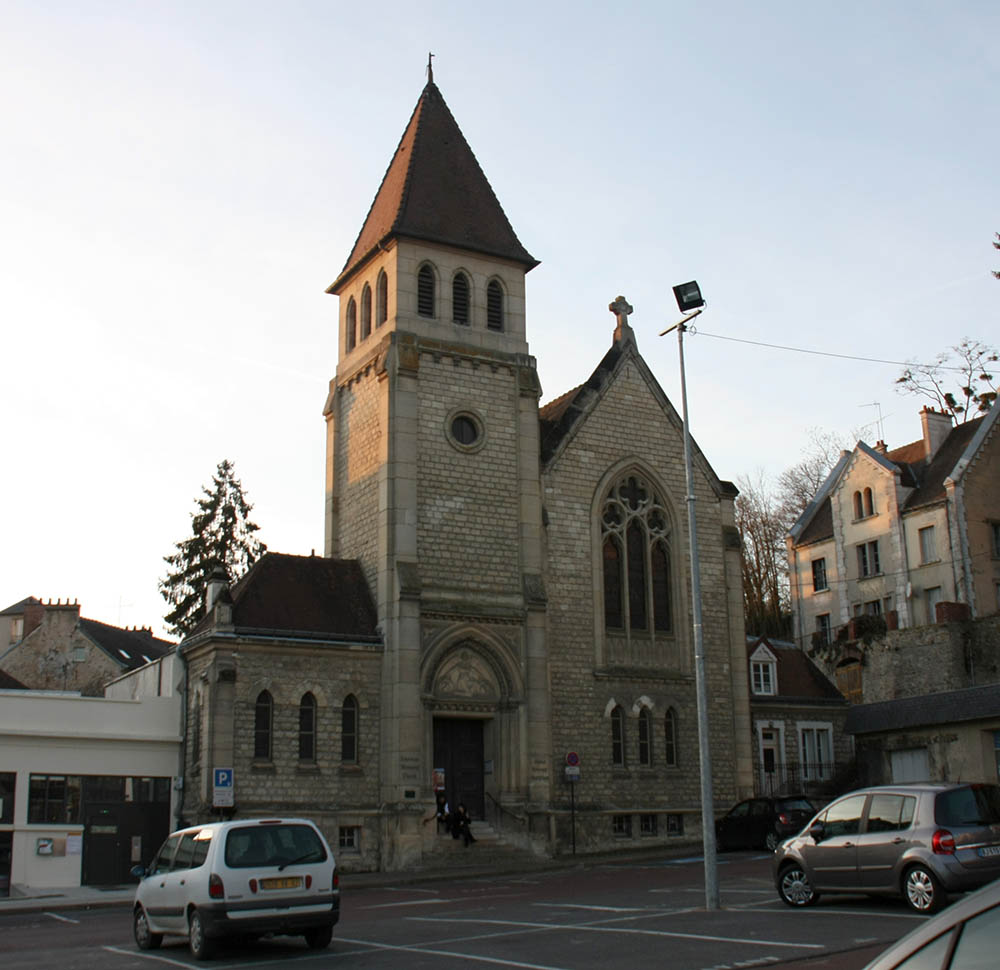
column 473, row 697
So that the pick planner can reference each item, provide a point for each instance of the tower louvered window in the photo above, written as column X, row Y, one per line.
column 638, row 590
column 381, row 299
column 425, row 291
column 460, row 299
column 494, row 306
column 366, row 311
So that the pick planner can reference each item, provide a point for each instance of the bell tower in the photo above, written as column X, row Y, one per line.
column 432, row 480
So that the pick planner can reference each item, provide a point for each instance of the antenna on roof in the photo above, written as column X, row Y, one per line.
column 430, row 68
column 881, row 429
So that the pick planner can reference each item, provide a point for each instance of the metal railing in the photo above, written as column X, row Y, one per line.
column 793, row 777
column 496, row 814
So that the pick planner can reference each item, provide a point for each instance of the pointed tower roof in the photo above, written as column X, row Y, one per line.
column 434, row 190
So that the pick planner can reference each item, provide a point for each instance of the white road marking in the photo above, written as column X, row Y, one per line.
column 455, row 956
column 818, row 911
column 147, row 956
column 64, row 919
column 411, row 902
column 599, row 909
column 591, row 928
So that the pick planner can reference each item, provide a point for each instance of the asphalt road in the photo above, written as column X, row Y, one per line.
column 585, row 918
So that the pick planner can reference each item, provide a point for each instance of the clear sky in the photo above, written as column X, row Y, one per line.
column 179, row 182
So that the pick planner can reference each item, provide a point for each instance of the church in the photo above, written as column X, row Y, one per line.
column 503, row 608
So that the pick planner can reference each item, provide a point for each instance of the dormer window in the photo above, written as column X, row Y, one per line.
column 494, row 306
column 763, row 672
column 425, row 291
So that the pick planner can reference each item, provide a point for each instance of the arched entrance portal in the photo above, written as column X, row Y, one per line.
column 474, row 702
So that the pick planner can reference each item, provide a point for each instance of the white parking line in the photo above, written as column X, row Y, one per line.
column 411, row 902
column 147, row 956
column 599, row 909
column 819, row 911
column 455, row 956
column 64, row 919
column 592, row 928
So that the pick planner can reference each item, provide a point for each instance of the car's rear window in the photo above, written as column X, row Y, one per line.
column 968, row 805
column 795, row 805
column 273, row 845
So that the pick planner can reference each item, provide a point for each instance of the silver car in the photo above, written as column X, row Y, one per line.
column 920, row 841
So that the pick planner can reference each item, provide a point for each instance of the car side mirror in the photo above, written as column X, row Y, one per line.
column 816, row 831
column 138, row 872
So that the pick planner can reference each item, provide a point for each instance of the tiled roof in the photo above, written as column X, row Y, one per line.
column 434, row 190
column 18, row 608
column 130, row 649
column 969, row 704
column 931, row 487
column 308, row 596
column 798, row 676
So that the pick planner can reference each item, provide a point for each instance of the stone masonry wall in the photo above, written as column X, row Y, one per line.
column 982, row 512
column 629, row 423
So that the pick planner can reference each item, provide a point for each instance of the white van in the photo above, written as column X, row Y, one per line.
column 241, row 878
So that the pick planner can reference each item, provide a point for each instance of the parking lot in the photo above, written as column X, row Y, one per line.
column 584, row 917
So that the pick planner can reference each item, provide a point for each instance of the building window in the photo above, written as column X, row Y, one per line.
column 460, row 299
column 762, row 677
column 873, row 608
column 618, row 738
column 263, row 721
column 675, row 825
column 869, row 502
column 670, row 737
column 621, row 826
column 932, row 597
column 8, row 780
column 645, row 739
column 425, row 291
column 381, row 299
column 352, row 324
column 366, row 311
column 307, row 728
column 849, row 681
column 647, row 825
column 16, row 629
column 859, row 509
column 494, row 306
column 54, row 799
column 817, row 752
column 928, row 547
column 823, row 627
column 819, row 575
column 349, row 838
column 349, row 731
column 636, row 536
column 868, row 562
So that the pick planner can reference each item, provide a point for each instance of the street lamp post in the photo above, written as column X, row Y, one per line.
column 689, row 298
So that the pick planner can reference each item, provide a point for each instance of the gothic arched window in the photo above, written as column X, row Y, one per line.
column 645, row 739
column 352, row 324
column 859, row 509
column 381, row 299
column 460, row 299
column 307, row 728
column 670, row 732
column 425, row 291
column 349, row 730
column 494, row 306
column 869, row 502
column 366, row 311
column 263, row 724
column 618, row 737
column 635, row 541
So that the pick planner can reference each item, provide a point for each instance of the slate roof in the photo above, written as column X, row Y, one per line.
column 434, row 190
column 130, row 649
column 820, row 526
column 931, row 486
column 798, row 677
column 18, row 608
column 947, row 707
column 302, row 596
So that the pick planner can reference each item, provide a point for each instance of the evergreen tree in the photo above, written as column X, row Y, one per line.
column 221, row 534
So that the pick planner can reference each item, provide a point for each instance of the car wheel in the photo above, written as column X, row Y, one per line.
column 771, row 842
column 921, row 890
column 200, row 945
column 144, row 937
column 319, row 939
column 794, row 887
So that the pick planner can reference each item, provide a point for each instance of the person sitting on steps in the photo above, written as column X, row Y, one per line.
column 460, row 825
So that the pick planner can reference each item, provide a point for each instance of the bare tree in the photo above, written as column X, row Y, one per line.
column 968, row 363
column 798, row 485
column 765, row 571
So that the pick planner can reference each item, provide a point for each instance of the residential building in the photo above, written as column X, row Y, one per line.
column 901, row 533
column 505, row 589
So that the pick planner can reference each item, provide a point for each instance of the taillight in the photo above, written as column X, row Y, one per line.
column 783, row 818
column 215, row 888
column 253, row 885
column 943, row 842
column 309, row 882
column 336, row 880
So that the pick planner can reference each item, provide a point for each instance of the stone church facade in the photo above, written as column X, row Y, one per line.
column 503, row 583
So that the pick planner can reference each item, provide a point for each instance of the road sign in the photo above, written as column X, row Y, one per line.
column 572, row 759
column 222, row 788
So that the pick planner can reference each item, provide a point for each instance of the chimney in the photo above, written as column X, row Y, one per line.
column 217, row 582
column 936, row 426
column 33, row 613
column 881, row 447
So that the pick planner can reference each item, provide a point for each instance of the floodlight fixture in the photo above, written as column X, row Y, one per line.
column 688, row 296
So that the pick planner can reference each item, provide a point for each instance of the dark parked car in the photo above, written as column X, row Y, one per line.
column 919, row 841
column 963, row 937
column 761, row 823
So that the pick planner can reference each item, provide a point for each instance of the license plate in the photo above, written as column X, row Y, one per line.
column 987, row 850
column 288, row 882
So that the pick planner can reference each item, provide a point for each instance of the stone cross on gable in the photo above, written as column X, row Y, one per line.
column 621, row 308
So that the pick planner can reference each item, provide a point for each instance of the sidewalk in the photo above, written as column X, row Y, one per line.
column 91, row 897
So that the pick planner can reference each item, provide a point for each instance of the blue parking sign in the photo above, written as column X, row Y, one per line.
column 222, row 788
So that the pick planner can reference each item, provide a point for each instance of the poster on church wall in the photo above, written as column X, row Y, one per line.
column 437, row 779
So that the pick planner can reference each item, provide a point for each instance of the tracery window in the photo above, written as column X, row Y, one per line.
column 618, row 737
column 645, row 739
column 635, row 540
column 670, row 733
